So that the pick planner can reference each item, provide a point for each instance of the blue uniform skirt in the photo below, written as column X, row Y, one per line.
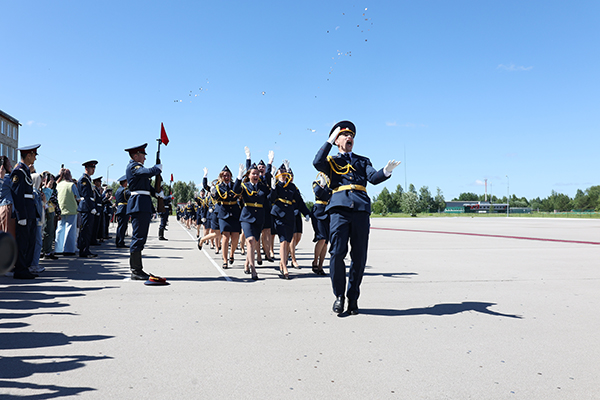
column 298, row 223
column 231, row 224
column 213, row 221
column 284, row 228
column 251, row 229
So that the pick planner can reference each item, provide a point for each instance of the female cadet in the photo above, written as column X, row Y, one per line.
column 297, row 226
column 264, row 175
column 320, row 221
column 228, row 212
column 282, row 196
column 212, row 221
column 254, row 194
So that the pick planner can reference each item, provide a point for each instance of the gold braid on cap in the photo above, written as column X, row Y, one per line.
column 336, row 169
column 288, row 177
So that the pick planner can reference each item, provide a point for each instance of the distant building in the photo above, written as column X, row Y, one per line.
column 474, row 207
column 9, row 137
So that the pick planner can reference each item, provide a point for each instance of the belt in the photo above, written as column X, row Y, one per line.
column 28, row 196
column 144, row 192
column 321, row 202
column 228, row 203
column 254, row 205
column 121, row 204
column 285, row 201
column 350, row 187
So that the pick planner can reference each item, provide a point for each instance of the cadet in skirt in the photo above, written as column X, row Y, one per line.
column 297, row 226
column 320, row 221
column 212, row 221
column 282, row 198
column 254, row 195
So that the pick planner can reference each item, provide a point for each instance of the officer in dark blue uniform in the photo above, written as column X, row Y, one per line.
column 98, row 228
column 349, row 209
column 139, row 206
column 164, row 218
column 121, row 197
column 25, row 211
column 87, row 209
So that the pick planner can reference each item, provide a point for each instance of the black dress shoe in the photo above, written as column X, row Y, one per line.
column 139, row 276
column 338, row 305
column 24, row 275
column 352, row 307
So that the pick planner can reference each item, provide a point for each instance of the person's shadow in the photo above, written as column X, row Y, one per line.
column 439, row 310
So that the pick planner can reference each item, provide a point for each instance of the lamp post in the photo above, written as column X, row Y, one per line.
column 107, row 173
column 507, row 195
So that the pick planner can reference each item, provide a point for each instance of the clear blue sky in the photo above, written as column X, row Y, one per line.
column 468, row 90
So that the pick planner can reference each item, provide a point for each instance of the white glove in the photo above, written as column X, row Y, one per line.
column 94, row 212
column 273, row 183
column 241, row 172
column 159, row 166
column 286, row 163
column 334, row 135
column 203, row 220
column 22, row 222
column 307, row 218
column 322, row 182
column 247, row 151
column 271, row 156
column 205, row 172
column 160, row 195
column 387, row 170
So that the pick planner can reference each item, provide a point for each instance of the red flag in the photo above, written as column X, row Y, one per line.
column 163, row 135
column 171, row 177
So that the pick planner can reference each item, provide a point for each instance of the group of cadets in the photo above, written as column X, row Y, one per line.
column 258, row 205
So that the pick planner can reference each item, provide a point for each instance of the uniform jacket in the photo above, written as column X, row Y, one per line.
column 138, row 179
column 253, row 195
column 121, row 197
column 321, row 194
column 225, row 200
column 283, row 199
column 22, row 193
column 87, row 194
column 361, row 173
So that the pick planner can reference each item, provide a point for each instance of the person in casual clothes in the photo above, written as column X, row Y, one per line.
column 7, row 222
column 66, row 231
column 52, row 213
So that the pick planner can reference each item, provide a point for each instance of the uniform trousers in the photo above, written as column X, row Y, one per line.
column 140, row 224
column 164, row 217
column 348, row 225
column 25, row 244
column 122, row 220
column 85, row 233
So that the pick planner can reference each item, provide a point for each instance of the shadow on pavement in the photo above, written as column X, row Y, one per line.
column 439, row 310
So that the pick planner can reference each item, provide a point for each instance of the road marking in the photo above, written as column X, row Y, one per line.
column 489, row 235
column 206, row 254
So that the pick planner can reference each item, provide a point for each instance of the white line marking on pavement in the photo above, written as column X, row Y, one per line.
column 206, row 254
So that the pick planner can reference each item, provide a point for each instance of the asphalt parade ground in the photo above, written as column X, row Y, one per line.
column 450, row 308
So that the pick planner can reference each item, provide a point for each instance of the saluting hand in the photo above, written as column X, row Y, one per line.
column 271, row 156
column 205, row 172
column 334, row 135
column 286, row 163
column 247, row 151
column 242, row 171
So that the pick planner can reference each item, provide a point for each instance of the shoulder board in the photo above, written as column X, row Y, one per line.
column 137, row 167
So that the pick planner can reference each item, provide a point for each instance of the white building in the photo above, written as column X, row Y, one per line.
column 9, row 137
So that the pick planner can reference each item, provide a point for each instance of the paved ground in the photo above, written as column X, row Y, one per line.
column 451, row 308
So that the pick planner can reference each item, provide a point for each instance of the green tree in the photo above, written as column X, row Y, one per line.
column 378, row 207
column 409, row 203
column 469, row 196
column 386, row 198
column 439, row 202
column 184, row 192
column 425, row 203
column 412, row 189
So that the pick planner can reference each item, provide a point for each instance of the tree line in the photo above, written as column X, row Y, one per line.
column 423, row 201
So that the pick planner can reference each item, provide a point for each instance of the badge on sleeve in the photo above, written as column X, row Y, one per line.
column 15, row 179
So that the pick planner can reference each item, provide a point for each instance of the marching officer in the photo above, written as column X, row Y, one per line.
column 121, row 197
column 25, row 211
column 87, row 209
column 139, row 206
column 349, row 210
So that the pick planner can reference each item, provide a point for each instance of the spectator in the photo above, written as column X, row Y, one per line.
column 66, row 232
column 52, row 213
column 7, row 222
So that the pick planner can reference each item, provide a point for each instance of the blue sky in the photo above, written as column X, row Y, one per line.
column 467, row 90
